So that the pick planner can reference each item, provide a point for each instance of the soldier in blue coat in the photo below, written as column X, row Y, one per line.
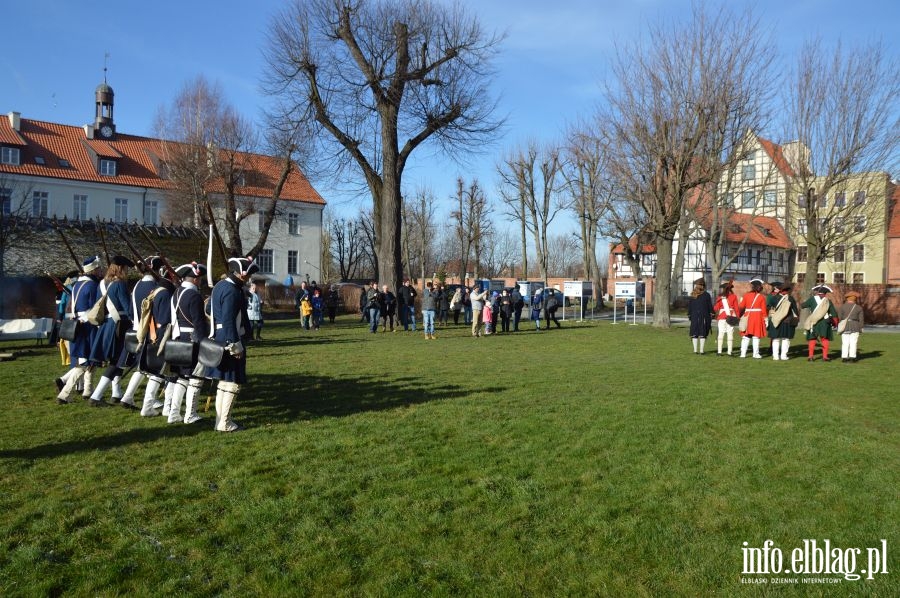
column 142, row 289
column 190, row 324
column 151, row 362
column 109, row 342
column 85, row 293
column 229, row 322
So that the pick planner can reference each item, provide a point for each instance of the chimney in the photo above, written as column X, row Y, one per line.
column 15, row 120
column 89, row 131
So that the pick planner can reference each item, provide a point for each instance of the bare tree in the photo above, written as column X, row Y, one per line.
column 668, row 116
column 369, row 263
column 472, row 220
column 347, row 246
column 208, row 154
column 563, row 254
column 843, row 108
column 418, row 219
column 584, row 174
column 532, row 177
column 17, row 231
column 380, row 79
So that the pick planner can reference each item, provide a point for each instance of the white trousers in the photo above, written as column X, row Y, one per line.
column 725, row 330
column 849, row 341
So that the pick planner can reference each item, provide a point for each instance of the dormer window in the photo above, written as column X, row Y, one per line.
column 10, row 155
column 39, row 160
column 63, row 163
column 107, row 167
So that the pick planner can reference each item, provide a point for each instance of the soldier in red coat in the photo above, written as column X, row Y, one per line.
column 753, row 306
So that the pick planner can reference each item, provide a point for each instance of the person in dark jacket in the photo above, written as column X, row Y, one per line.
column 700, row 312
column 518, row 303
column 388, row 308
column 85, row 292
column 783, row 316
column 109, row 342
column 506, row 310
column 551, row 304
column 190, row 325
column 150, row 359
column 406, row 303
column 228, row 312
column 331, row 303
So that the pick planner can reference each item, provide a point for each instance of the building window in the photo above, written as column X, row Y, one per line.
column 63, row 163
column 859, row 224
column 121, row 210
column 820, row 278
column 822, row 201
column 151, row 211
column 79, row 207
column 839, row 225
column 839, row 251
column 859, row 278
column 769, row 258
column 801, row 253
column 107, row 167
column 39, row 201
column 748, row 199
column 40, row 160
column 859, row 253
column 729, row 199
column 769, row 198
column 261, row 221
column 758, row 257
column 780, row 259
column 837, row 277
column 859, row 198
column 292, row 261
column 748, row 172
column 266, row 261
column 840, row 199
column 9, row 155
column 801, row 277
column 801, row 201
column 801, row 226
column 6, row 201
column 293, row 223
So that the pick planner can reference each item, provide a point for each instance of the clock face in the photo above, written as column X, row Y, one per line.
column 106, row 131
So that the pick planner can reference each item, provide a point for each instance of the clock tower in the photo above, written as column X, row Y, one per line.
column 103, row 119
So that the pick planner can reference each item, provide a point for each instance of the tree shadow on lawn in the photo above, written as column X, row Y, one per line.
column 284, row 398
column 270, row 399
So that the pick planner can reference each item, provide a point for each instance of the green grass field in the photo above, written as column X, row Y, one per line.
column 595, row 460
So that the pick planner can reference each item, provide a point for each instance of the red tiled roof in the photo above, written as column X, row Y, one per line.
column 138, row 159
column 646, row 249
column 776, row 152
column 764, row 230
column 894, row 224
column 8, row 135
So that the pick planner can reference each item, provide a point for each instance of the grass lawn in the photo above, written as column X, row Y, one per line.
column 599, row 459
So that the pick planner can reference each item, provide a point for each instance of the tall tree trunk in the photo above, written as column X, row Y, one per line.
column 663, row 283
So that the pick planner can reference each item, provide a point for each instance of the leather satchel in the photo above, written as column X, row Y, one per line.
column 211, row 353
column 68, row 328
column 131, row 342
column 179, row 353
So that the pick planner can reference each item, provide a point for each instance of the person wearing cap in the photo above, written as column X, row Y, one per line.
column 142, row 289
column 726, row 310
column 477, row 298
column 552, row 305
column 783, row 315
column 818, row 325
column 85, row 292
column 109, row 342
column 189, row 323
column 331, row 303
column 506, row 310
column 537, row 306
column 851, row 313
column 228, row 313
column 151, row 361
column 753, row 305
column 700, row 310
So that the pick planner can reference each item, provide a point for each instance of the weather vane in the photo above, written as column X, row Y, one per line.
column 105, row 60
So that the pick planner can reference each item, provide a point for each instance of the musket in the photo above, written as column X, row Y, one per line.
column 100, row 228
column 159, row 252
column 69, row 247
column 137, row 256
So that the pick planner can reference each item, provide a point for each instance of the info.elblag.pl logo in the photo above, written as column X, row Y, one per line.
column 812, row 562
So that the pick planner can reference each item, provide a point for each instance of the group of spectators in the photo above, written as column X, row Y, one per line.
column 314, row 303
column 487, row 312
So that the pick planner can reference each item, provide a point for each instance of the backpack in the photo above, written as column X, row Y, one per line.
column 146, row 315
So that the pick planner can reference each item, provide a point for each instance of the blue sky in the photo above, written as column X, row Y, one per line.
column 550, row 70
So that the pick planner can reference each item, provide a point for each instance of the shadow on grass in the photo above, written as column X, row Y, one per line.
column 270, row 399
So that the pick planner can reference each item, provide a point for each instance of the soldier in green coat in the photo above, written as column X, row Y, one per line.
column 819, row 323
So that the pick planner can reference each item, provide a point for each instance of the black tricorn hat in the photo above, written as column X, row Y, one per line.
column 193, row 270
column 121, row 260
